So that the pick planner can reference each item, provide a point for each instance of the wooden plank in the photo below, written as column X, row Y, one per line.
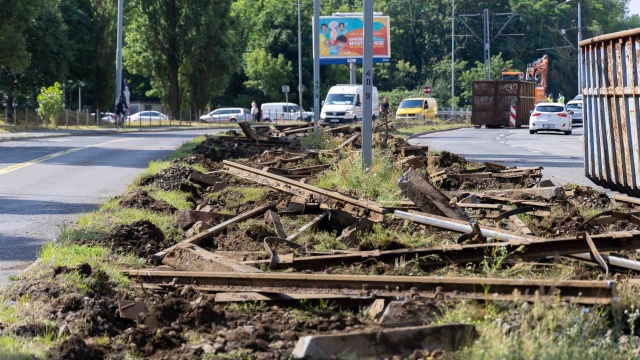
column 190, row 257
column 347, row 142
column 197, row 239
column 248, row 131
column 427, row 197
column 204, row 179
column 314, row 222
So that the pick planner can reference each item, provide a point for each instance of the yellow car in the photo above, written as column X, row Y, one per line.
column 417, row 108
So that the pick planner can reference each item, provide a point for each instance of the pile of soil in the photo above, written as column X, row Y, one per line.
column 140, row 199
column 588, row 196
column 173, row 178
column 446, row 160
column 141, row 238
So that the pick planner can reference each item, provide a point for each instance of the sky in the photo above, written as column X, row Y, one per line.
column 634, row 7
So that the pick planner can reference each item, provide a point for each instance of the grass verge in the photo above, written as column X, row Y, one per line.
column 417, row 129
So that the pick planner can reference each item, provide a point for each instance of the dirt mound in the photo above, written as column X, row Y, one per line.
column 199, row 159
column 75, row 348
column 30, row 330
column 588, row 196
column 140, row 199
column 141, row 238
column 173, row 178
column 446, row 159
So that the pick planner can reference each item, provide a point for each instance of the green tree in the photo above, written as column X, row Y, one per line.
column 50, row 101
column 267, row 73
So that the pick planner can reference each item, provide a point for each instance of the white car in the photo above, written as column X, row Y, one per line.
column 284, row 111
column 148, row 116
column 227, row 115
column 550, row 117
column 578, row 97
column 574, row 107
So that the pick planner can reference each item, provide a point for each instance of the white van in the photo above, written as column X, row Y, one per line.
column 283, row 111
column 344, row 104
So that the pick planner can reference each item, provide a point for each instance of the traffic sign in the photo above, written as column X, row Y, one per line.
column 427, row 89
column 285, row 88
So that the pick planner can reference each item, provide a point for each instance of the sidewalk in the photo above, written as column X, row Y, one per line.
column 43, row 133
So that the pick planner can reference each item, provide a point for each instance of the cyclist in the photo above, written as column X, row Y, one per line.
column 121, row 110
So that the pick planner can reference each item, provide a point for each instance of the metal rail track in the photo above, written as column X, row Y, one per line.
column 329, row 200
column 364, row 286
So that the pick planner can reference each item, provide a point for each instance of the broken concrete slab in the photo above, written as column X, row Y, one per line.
column 375, row 344
column 408, row 313
column 547, row 193
column 189, row 257
column 412, row 162
column 427, row 197
column 545, row 183
column 376, row 309
column 187, row 218
column 197, row 228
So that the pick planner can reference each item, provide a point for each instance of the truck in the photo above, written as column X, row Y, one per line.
column 344, row 104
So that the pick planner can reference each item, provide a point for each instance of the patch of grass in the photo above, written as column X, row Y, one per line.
column 154, row 167
column 111, row 214
column 539, row 331
column 16, row 348
column 186, row 148
column 381, row 238
column 321, row 241
column 408, row 131
column 236, row 196
column 250, row 307
column 175, row 198
column 379, row 184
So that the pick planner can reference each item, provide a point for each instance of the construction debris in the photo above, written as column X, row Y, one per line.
column 426, row 340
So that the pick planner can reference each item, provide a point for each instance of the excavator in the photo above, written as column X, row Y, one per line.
column 536, row 72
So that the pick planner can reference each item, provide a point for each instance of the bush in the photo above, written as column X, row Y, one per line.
column 50, row 102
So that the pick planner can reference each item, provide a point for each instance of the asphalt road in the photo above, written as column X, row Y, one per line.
column 46, row 183
column 560, row 155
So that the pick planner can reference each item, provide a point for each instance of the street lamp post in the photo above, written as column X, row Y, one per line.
column 299, row 65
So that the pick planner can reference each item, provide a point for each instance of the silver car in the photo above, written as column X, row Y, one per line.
column 148, row 116
column 574, row 107
column 227, row 115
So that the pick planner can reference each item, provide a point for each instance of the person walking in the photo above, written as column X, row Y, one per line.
column 384, row 109
column 561, row 98
column 549, row 97
column 255, row 112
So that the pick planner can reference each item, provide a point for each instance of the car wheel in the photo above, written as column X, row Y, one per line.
column 532, row 131
column 568, row 132
column 355, row 120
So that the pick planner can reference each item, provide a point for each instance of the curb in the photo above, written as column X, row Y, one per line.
column 433, row 132
column 105, row 132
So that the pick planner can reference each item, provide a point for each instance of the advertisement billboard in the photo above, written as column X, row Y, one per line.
column 341, row 39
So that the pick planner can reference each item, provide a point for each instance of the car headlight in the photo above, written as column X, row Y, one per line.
column 323, row 115
column 350, row 112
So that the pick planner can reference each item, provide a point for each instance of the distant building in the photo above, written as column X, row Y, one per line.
column 137, row 106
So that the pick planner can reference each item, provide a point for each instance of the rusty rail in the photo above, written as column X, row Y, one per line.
column 329, row 200
column 366, row 286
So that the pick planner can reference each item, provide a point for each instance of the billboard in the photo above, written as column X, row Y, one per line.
column 341, row 39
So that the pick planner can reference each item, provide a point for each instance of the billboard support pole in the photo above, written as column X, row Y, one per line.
column 367, row 85
column 316, row 66
column 352, row 73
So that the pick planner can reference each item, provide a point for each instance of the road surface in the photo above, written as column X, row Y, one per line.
column 46, row 183
column 560, row 155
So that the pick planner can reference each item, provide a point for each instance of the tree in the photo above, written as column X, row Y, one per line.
column 267, row 73
column 15, row 17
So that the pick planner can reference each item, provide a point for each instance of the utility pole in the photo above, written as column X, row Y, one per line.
column 300, row 86
column 487, row 36
column 453, row 55
column 579, row 53
column 367, row 85
column 487, row 47
column 119, row 51
column 316, row 66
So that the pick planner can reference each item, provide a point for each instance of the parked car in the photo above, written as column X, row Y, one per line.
column 284, row 111
column 227, row 114
column 148, row 116
column 550, row 117
column 105, row 116
column 574, row 107
column 578, row 97
column 417, row 108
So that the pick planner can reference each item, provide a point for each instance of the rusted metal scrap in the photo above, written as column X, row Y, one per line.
column 197, row 239
column 393, row 287
column 329, row 200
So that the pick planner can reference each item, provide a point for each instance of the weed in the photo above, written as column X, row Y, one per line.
column 187, row 148
column 250, row 307
column 176, row 198
column 408, row 131
column 15, row 347
column 378, row 183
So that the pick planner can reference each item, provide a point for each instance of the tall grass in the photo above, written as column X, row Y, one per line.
column 378, row 183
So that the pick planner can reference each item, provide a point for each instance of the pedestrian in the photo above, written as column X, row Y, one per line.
column 255, row 112
column 561, row 98
column 384, row 110
column 549, row 97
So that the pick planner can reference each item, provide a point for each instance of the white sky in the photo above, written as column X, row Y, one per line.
column 634, row 7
